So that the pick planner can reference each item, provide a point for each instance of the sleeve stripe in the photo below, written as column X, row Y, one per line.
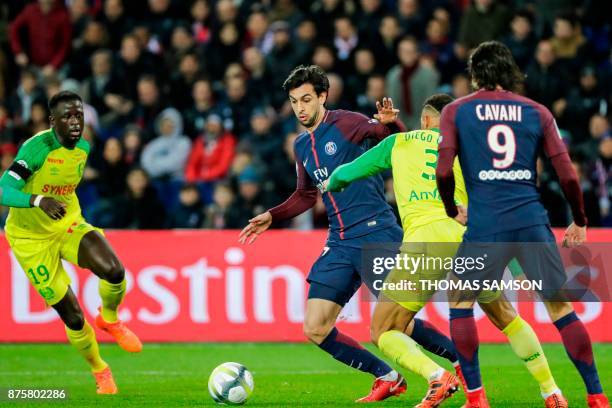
column 14, row 175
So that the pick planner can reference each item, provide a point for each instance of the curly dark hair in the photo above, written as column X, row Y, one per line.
column 307, row 74
column 492, row 64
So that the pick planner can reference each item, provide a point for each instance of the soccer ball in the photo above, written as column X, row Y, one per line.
column 230, row 383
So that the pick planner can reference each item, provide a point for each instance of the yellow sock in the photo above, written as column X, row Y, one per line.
column 84, row 341
column 404, row 351
column 527, row 347
column 112, row 294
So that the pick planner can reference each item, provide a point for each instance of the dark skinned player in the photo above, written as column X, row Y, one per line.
column 45, row 225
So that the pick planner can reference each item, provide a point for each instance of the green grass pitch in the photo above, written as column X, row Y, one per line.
column 286, row 375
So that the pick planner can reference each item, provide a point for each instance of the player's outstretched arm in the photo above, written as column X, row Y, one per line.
column 368, row 164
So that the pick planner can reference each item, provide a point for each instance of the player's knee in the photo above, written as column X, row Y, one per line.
column 316, row 332
column 74, row 320
column 114, row 272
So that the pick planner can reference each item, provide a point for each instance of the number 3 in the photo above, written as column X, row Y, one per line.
column 507, row 148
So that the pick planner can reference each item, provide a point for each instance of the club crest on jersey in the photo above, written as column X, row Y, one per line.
column 331, row 148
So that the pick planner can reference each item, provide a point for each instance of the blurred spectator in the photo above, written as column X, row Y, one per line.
column 521, row 40
column 370, row 14
column 190, row 211
column 8, row 151
column 200, row 21
column 224, row 49
column 282, row 170
column 325, row 12
column 439, row 48
column 259, row 79
column 132, row 145
column 21, row 101
column 181, row 82
column 323, row 56
column 264, row 142
column 117, row 23
column 411, row 17
column 161, row 20
column 306, row 35
column 411, row 82
column 384, row 44
column 140, row 208
column 94, row 38
column 581, row 103
column 603, row 176
column 211, row 154
column 217, row 211
column 48, row 32
column 166, row 155
column 240, row 103
column 132, row 64
column 205, row 104
column 484, row 20
column 112, row 173
column 545, row 81
column 568, row 43
column 375, row 91
column 281, row 59
column 249, row 201
column 599, row 129
column 589, row 194
column 258, row 34
column 79, row 17
column 346, row 40
column 149, row 106
column 460, row 86
column 286, row 10
column 365, row 66
column 181, row 44
column 103, row 89
column 335, row 99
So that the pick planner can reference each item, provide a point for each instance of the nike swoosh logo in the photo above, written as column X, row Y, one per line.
column 305, row 161
column 400, row 380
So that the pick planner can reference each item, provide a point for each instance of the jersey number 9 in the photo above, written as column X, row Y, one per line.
column 507, row 147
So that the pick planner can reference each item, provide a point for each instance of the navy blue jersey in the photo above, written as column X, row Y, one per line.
column 498, row 136
column 340, row 138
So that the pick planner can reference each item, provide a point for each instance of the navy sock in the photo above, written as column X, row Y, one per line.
column 579, row 349
column 433, row 340
column 465, row 337
column 348, row 351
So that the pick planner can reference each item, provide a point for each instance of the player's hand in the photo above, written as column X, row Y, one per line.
column 257, row 225
column 386, row 113
column 462, row 216
column 574, row 236
column 53, row 208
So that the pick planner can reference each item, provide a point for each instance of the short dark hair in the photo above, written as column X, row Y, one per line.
column 492, row 64
column 438, row 101
column 63, row 96
column 307, row 74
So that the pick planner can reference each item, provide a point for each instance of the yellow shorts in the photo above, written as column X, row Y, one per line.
column 41, row 259
column 432, row 243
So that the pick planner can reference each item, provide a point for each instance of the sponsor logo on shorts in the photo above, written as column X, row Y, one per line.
column 47, row 293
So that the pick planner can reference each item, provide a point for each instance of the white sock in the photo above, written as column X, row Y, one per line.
column 555, row 391
column 437, row 375
column 390, row 376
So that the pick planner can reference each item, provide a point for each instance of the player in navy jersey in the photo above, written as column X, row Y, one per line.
column 358, row 215
column 498, row 136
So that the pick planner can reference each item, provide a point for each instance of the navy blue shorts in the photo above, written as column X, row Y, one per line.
column 533, row 247
column 337, row 273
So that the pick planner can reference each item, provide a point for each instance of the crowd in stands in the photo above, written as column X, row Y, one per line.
column 190, row 127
